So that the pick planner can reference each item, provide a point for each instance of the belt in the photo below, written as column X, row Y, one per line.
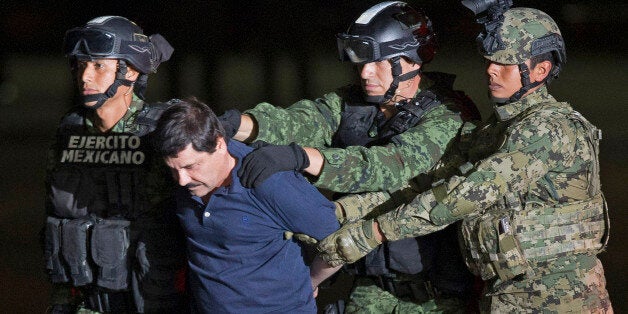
column 105, row 301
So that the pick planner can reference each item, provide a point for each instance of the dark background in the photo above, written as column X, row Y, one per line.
column 238, row 53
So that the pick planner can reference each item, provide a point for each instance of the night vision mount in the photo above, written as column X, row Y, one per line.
column 490, row 13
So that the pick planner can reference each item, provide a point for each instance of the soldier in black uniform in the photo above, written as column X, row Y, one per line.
column 111, row 244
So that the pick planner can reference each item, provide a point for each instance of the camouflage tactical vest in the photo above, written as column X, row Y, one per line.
column 506, row 239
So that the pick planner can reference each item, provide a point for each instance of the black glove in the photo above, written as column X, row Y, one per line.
column 268, row 159
column 231, row 122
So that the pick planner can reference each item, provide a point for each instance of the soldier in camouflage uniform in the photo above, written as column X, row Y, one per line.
column 374, row 137
column 112, row 242
column 525, row 185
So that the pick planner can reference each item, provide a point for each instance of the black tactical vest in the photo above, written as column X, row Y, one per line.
column 96, row 192
column 363, row 124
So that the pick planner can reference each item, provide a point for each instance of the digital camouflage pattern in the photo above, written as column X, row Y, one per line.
column 359, row 169
column 368, row 298
column 533, row 215
column 521, row 28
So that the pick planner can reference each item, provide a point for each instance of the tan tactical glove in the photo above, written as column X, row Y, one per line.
column 350, row 243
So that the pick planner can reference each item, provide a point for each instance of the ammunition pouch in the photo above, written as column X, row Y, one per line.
column 508, row 241
column 81, row 250
column 110, row 243
column 52, row 250
column 75, row 249
column 496, row 250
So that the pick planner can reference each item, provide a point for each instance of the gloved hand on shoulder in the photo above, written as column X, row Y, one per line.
column 231, row 120
column 269, row 159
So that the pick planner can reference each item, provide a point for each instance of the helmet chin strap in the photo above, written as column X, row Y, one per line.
column 397, row 78
column 100, row 98
column 526, row 84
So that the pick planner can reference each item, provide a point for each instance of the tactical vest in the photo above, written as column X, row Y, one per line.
column 507, row 239
column 364, row 125
column 97, row 191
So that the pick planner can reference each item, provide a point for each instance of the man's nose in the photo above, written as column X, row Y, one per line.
column 367, row 70
column 491, row 68
column 87, row 73
column 181, row 177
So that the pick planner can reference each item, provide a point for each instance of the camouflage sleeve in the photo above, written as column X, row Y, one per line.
column 384, row 168
column 306, row 122
column 532, row 149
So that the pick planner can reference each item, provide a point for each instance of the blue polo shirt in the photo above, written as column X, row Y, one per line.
column 238, row 257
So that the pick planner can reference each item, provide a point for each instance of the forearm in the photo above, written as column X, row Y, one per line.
column 248, row 129
column 358, row 169
column 307, row 123
column 316, row 161
column 319, row 271
column 446, row 203
column 409, row 220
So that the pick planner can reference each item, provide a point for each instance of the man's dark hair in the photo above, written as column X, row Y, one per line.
column 187, row 122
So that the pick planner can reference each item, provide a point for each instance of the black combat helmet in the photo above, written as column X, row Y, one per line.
column 116, row 37
column 388, row 31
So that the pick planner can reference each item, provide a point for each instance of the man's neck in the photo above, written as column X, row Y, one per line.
column 111, row 112
column 227, row 181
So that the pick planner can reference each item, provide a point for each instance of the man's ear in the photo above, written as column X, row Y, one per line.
column 221, row 143
column 131, row 73
column 541, row 71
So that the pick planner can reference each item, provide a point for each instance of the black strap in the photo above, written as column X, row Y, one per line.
column 409, row 114
column 147, row 118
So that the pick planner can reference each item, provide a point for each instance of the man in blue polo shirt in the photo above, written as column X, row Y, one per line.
column 239, row 259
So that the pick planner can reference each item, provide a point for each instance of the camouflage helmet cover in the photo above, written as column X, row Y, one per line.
column 525, row 33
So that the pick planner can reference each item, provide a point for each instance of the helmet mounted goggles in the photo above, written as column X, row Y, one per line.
column 364, row 49
column 95, row 42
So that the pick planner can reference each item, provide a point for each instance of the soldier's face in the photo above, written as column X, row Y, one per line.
column 376, row 78
column 503, row 79
column 202, row 172
column 95, row 76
